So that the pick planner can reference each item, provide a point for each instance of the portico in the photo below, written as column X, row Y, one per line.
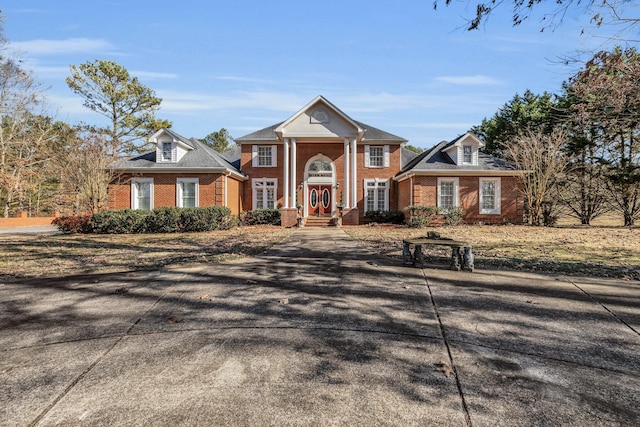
column 315, row 162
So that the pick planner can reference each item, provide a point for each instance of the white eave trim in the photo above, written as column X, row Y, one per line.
column 224, row 171
column 454, row 173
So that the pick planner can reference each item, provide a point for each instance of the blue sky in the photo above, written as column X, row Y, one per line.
column 244, row 65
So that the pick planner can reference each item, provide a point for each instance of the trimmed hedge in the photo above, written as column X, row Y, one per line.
column 261, row 217
column 159, row 220
column 385, row 217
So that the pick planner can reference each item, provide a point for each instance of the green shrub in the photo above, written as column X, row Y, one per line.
column 419, row 222
column 73, row 223
column 421, row 216
column 261, row 216
column 385, row 217
column 122, row 221
column 453, row 215
column 163, row 220
column 206, row 219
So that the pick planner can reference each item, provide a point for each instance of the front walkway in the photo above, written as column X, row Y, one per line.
column 318, row 331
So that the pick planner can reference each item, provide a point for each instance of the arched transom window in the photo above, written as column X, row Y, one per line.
column 320, row 168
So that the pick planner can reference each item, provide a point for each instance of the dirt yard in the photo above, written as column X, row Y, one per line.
column 58, row 255
column 596, row 251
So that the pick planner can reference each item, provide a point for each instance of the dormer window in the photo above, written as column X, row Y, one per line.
column 166, row 151
column 467, row 154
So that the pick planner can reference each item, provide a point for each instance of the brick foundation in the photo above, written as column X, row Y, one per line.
column 351, row 217
column 289, row 217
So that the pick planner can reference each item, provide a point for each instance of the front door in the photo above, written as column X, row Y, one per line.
column 319, row 200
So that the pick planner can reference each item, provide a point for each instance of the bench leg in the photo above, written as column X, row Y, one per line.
column 406, row 254
column 467, row 259
column 455, row 258
column 418, row 256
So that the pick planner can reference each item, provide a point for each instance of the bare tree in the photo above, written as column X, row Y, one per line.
column 607, row 98
column 540, row 158
column 24, row 133
column 85, row 172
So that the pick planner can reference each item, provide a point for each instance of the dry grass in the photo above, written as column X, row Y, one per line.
column 596, row 251
column 57, row 255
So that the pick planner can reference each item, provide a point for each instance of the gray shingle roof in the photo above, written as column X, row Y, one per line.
column 371, row 134
column 200, row 156
column 266, row 134
column 406, row 156
column 435, row 159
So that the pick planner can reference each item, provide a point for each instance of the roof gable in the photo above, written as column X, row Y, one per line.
column 199, row 156
column 437, row 159
column 319, row 118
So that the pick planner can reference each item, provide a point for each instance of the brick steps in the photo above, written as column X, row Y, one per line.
column 319, row 221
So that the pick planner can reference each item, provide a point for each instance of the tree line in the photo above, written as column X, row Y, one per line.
column 580, row 148
column 49, row 166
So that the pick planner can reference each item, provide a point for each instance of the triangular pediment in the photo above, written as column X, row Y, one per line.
column 319, row 119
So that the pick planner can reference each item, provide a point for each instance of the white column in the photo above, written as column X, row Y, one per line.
column 286, row 173
column 293, row 172
column 354, row 174
column 347, row 183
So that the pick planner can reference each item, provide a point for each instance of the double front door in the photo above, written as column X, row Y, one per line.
column 319, row 199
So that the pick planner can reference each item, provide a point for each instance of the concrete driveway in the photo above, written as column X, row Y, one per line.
column 316, row 332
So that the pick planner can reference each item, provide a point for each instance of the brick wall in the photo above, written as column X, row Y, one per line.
column 23, row 220
column 404, row 196
column 511, row 202
column 211, row 189
column 335, row 152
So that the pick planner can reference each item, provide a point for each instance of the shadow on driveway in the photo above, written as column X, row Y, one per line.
column 318, row 331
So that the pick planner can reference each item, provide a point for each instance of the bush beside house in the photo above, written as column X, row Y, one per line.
column 159, row 220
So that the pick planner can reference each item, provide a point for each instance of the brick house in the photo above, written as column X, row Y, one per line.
column 317, row 165
column 179, row 172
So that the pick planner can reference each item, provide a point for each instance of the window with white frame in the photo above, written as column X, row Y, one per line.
column 264, row 193
column 142, row 194
column 264, row 155
column 467, row 154
column 376, row 194
column 489, row 196
column 376, row 156
column 447, row 192
column 166, row 151
column 187, row 192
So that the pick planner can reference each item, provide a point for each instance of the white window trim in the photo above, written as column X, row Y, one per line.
column 367, row 156
column 274, row 156
column 498, row 196
column 163, row 159
column 179, row 190
column 134, row 192
column 470, row 162
column 456, row 190
column 254, row 190
column 375, row 201
column 160, row 152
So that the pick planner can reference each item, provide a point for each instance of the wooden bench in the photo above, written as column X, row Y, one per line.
column 461, row 252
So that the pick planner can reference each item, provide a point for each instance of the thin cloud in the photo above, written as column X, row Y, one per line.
column 242, row 79
column 475, row 80
column 43, row 47
column 438, row 125
column 152, row 75
column 188, row 102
